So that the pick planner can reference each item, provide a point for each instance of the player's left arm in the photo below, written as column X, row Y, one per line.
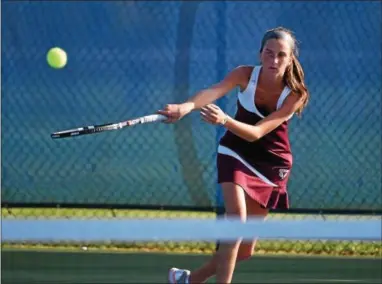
column 267, row 124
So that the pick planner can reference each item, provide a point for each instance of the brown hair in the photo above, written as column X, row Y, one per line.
column 294, row 74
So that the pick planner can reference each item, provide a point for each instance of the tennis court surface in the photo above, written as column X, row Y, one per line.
column 53, row 266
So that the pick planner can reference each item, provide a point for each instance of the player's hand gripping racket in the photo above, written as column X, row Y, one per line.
column 92, row 129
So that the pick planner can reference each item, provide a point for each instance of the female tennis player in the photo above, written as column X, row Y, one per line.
column 254, row 156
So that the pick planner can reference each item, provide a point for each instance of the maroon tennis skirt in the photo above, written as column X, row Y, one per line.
column 232, row 170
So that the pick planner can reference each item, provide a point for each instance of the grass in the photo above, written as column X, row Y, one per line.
column 337, row 248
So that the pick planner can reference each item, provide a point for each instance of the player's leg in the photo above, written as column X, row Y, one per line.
column 245, row 250
column 223, row 261
column 235, row 206
column 254, row 209
column 208, row 269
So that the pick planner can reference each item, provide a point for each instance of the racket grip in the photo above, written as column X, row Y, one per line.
column 148, row 119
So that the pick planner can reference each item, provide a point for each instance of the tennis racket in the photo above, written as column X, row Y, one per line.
column 92, row 129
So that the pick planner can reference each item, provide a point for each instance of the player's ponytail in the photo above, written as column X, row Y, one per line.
column 294, row 79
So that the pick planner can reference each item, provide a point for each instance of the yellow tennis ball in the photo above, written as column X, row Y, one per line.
column 56, row 58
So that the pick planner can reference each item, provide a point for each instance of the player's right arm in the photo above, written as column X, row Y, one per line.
column 238, row 77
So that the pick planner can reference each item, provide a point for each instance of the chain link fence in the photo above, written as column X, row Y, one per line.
column 130, row 58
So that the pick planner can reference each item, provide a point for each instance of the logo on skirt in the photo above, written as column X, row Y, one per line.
column 283, row 173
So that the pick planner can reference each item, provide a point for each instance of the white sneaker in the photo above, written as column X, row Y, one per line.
column 178, row 276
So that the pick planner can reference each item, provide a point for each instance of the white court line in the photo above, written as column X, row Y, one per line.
column 338, row 280
column 316, row 280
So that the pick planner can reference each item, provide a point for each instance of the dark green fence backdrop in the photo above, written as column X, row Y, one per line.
column 130, row 58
